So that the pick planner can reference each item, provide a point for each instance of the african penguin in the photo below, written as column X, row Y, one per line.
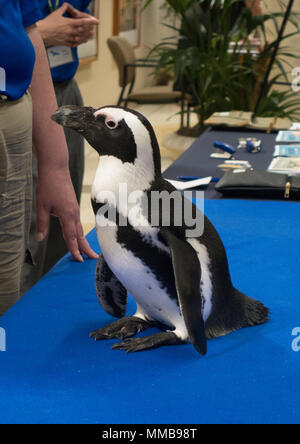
column 180, row 283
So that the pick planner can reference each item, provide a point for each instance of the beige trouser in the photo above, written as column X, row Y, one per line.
column 15, row 194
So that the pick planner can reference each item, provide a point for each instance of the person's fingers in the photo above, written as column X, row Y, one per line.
column 89, row 31
column 81, row 32
column 63, row 9
column 84, row 38
column 75, row 13
column 42, row 222
column 85, row 21
column 86, row 249
column 69, row 43
column 78, row 40
column 83, row 244
column 69, row 231
column 84, row 29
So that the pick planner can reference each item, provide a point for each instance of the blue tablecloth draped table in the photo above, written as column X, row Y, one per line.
column 51, row 372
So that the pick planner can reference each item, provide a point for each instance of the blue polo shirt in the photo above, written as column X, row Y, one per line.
column 17, row 56
column 67, row 71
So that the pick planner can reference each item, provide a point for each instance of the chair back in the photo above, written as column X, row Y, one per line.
column 123, row 54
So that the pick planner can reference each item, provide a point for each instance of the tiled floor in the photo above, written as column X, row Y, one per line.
column 165, row 121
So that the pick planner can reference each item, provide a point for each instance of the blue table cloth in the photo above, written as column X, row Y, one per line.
column 196, row 161
column 53, row 373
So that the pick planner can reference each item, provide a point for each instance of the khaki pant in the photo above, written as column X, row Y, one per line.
column 48, row 252
column 15, row 195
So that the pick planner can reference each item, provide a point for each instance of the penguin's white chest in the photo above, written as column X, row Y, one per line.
column 152, row 299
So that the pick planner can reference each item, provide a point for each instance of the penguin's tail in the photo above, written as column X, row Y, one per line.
column 256, row 312
column 240, row 311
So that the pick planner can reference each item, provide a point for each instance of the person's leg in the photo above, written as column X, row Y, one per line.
column 31, row 274
column 67, row 94
column 48, row 252
column 15, row 195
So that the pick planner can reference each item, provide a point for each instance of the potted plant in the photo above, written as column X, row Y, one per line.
column 213, row 57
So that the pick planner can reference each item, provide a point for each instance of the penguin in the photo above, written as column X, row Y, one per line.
column 180, row 281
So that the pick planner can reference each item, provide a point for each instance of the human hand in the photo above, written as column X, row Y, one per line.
column 58, row 30
column 86, row 28
column 75, row 13
column 56, row 196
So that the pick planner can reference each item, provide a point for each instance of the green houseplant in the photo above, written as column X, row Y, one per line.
column 214, row 60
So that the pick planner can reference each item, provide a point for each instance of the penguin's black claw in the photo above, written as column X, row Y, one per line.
column 104, row 333
column 121, row 329
column 121, row 346
column 149, row 342
column 130, row 345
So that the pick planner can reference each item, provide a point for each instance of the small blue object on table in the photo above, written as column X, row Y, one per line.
column 196, row 161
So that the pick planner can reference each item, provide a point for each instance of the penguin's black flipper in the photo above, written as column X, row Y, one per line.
column 111, row 294
column 187, row 271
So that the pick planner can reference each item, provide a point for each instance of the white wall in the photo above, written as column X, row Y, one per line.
column 98, row 80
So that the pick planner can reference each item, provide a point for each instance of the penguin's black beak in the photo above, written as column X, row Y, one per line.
column 79, row 118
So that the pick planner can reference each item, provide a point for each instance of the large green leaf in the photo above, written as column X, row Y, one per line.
column 220, row 79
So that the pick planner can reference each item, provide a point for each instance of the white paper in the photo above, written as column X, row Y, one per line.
column 288, row 137
column 285, row 165
column 243, row 163
column 221, row 156
column 186, row 185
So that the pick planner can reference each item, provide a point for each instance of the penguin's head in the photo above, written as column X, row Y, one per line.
column 114, row 131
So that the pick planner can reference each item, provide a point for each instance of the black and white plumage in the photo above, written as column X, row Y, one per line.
column 180, row 283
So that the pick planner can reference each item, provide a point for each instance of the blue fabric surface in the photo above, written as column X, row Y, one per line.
column 52, row 371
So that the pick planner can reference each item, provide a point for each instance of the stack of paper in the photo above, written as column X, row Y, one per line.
column 287, row 151
column 288, row 137
column 285, row 165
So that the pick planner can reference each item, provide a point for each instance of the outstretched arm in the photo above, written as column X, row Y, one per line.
column 55, row 192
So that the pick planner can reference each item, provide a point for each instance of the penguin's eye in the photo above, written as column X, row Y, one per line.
column 111, row 124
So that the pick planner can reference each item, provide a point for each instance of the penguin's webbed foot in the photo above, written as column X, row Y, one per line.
column 148, row 342
column 121, row 329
